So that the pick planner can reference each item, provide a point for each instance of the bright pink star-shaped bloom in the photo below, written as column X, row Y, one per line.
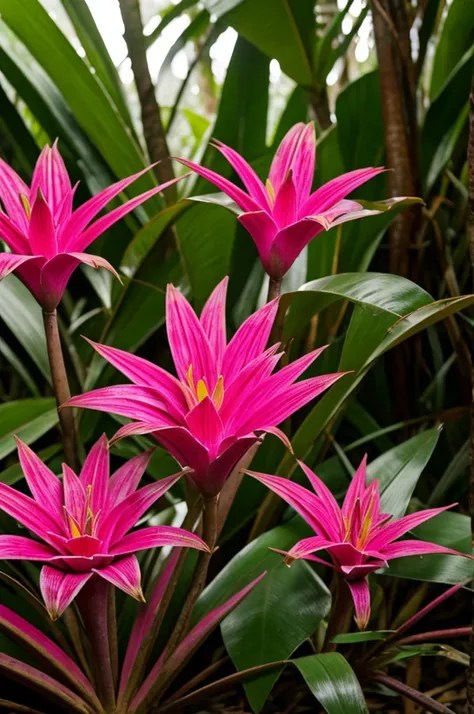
column 47, row 239
column 357, row 536
column 224, row 397
column 84, row 523
column 282, row 215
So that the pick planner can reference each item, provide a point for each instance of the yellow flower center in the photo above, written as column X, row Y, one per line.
column 196, row 393
column 75, row 528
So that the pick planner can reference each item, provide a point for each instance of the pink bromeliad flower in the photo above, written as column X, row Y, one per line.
column 282, row 215
column 224, row 396
column 47, row 239
column 358, row 537
column 84, row 522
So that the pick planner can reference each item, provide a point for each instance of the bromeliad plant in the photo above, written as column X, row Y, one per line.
column 102, row 643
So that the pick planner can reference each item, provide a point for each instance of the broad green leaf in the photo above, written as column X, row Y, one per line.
column 98, row 117
column 333, row 683
column 22, row 315
column 97, row 53
column 271, row 25
column 399, row 469
column 276, row 618
column 19, row 367
column 456, row 38
column 28, row 419
column 455, row 472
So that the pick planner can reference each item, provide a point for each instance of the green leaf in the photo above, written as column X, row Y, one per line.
column 28, row 419
column 271, row 25
column 97, row 53
column 399, row 469
column 19, row 367
column 276, row 618
column 92, row 108
column 454, row 472
column 456, row 38
column 22, row 315
column 333, row 683
column 366, row 636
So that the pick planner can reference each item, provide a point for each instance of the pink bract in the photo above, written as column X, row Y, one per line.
column 47, row 239
column 282, row 215
column 224, row 397
column 358, row 536
column 84, row 523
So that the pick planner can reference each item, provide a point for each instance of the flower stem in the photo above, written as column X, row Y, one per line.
column 209, row 519
column 60, row 386
column 274, row 290
column 341, row 612
column 93, row 603
column 428, row 704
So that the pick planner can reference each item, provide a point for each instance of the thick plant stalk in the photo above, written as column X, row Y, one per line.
column 153, row 129
column 274, row 291
column 61, row 387
column 428, row 704
column 341, row 613
column 93, row 604
column 470, row 236
column 210, row 521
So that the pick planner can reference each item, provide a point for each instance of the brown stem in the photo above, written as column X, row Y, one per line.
column 470, row 236
column 341, row 613
column 318, row 99
column 426, row 702
column 436, row 635
column 93, row 601
column 113, row 636
column 274, row 291
column 61, row 387
column 209, row 517
column 153, row 129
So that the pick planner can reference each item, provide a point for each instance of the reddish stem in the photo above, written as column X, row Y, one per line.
column 436, row 635
column 429, row 704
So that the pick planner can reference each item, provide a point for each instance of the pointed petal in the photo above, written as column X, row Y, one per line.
column 51, row 177
column 335, row 190
column 397, row 529
column 83, row 240
column 286, row 203
column 9, row 262
column 41, row 230
column 205, row 425
column 242, row 199
column 126, row 514
column 304, row 502
column 96, row 472
column 221, row 467
column 136, row 428
column 285, row 155
column 96, row 262
column 304, row 162
column 157, row 537
column 246, row 173
column 328, row 218
column 188, row 342
column 11, row 187
column 20, row 548
column 126, row 479
column 59, row 589
column 308, row 546
column 144, row 619
column 54, row 277
column 405, row 548
column 187, row 451
column 248, row 342
column 263, row 230
column 43, row 484
column 361, row 596
column 275, row 410
column 89, row 210
column 125, row 575
column 213, row 322
column 74, row 496
column 356, row 488
column 29, row 513
column 288, row 244
column 16, row 240
column 128, row 400
column 145, row 373
column 330, row 503
column 290, row 373
column 192, row 641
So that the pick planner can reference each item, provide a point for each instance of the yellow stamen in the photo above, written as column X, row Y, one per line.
column 74, row 527
column 26, row 205
column 190, row 378
column 218, row 393
column 366, row 523
column 270, row 191
column 201, row 390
